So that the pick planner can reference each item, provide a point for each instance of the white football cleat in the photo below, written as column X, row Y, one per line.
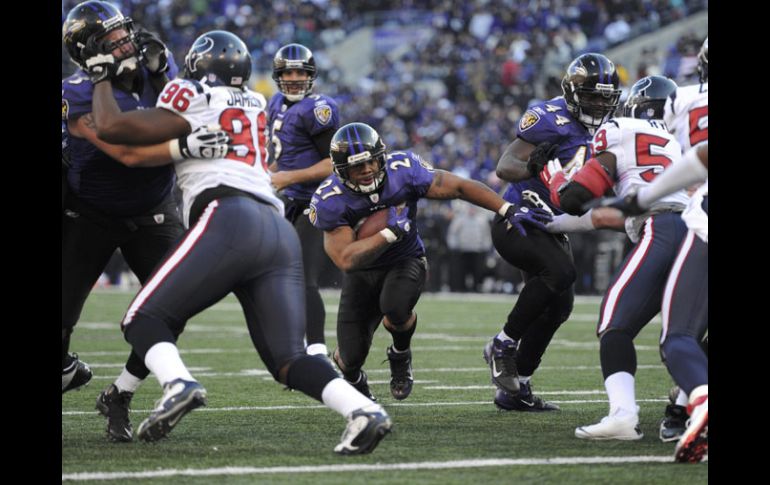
column 612, row 427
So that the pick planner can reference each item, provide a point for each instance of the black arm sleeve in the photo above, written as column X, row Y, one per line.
column 572, row 197
column 323, row 141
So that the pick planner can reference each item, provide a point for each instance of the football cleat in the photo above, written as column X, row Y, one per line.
column 674, row 423
column 524, row 400
column 612, row 427
column 114, row 405
column 364, row 431
column 179, row 398
column 694, row 443
column 501, row 357
column 401, row 378
column 362, row 385
column 75, row 374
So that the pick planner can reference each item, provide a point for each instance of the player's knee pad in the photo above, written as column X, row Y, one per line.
column 617, row 352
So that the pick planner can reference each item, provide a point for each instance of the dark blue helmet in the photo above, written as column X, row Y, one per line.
column 90, row 21
column 220, row 58
column 591, row 89
column 294, row 56
column 647, row 98
column 354, row 144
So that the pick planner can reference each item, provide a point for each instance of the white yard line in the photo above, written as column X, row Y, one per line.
column 321, row 406
column 347, row 468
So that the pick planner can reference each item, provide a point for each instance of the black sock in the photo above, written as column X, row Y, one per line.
column 532, row 302
column 402, row 340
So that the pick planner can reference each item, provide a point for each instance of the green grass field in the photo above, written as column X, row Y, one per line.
column 447, row 431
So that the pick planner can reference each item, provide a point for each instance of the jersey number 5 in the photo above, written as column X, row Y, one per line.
column 645, row 157
column 698, row 134
column 237, row 123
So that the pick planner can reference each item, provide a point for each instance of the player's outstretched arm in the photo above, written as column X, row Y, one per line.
column 447, row 185
column 139, row 127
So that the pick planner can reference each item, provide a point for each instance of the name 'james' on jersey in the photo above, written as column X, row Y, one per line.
column 550, row 121
column 408, row 178
column 292, row 128
column 240, row 112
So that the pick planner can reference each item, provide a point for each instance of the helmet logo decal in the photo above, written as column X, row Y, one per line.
column 200, row 49
column 323, row 114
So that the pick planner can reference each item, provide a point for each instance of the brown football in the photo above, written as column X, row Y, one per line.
column 373, row 224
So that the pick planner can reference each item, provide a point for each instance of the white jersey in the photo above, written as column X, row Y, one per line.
column 686, row 114
column 240, row 112
column 642, row 149
column 696, row 218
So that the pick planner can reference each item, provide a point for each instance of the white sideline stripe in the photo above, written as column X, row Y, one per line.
column 262, row 372
column 539, row 392
column 424, row 465
column 287, row 407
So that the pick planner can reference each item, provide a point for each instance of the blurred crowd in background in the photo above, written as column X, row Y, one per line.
column 452, row 95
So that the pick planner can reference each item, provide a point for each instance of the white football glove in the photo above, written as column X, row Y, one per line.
column 208, row 141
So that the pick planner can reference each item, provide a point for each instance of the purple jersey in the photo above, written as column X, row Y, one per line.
column 95, row 177
column 551, row 121
column 408, row 180
column 292, row 128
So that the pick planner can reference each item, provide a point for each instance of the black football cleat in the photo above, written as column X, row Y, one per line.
column 75, row 374
column 114, row 406
column 524, row 401
column 401, row 378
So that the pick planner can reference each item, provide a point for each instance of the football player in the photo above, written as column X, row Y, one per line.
column 385, row 272
column 106, row 202
column 237, row 241
column 686, row 116
column 560, row 127
column 301, row 129
column 629, row 152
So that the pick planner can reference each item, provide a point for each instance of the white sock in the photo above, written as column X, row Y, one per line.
column 622, row 394
column 343, row 398
column 126, row 381
column 524, row 379
column 316, row 349
column 164, row 361
column 681, row 398
column 395, row 350
column 502, row 336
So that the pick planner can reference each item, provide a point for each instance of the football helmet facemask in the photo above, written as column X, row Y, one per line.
column 703, row 62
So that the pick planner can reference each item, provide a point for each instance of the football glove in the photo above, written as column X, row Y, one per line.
column 519, row 216
column 101, row 67
column 153, row 53
column 399, row 224
column 208, row 141
column 540, row 156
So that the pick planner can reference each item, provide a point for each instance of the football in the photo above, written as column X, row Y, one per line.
column 373, row 224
